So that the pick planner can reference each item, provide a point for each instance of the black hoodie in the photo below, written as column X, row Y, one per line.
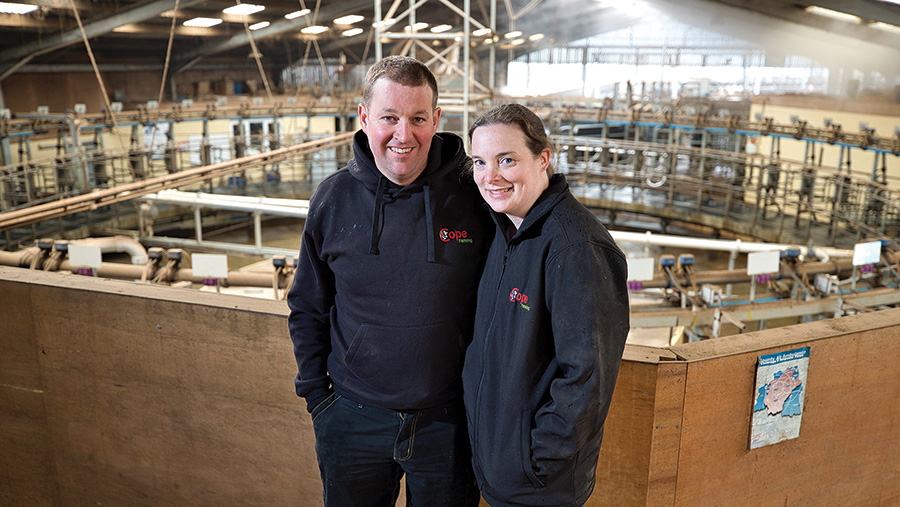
column 383, row 297
column 550, row 330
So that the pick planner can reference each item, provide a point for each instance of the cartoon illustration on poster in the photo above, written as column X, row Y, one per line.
column 778, row 403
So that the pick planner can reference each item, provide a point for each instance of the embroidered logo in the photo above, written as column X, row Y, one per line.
column 447, row 235
column 516, row 296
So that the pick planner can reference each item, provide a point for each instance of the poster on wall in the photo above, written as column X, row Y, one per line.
column 778, row 400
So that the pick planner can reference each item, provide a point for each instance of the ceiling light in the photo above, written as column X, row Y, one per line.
column 313, row 30
column 243, row 9
column 537, row 36
column 296, row 14
column 202, row 22
column 517, row 42
column 348, row 20
column 351, row 32
column 828, row 13
column 8, row 8
column 512, row 35
column 416, row 27
column 384, row 23
column 257, row 26
column 878, row 25
column 481, row 32
column 440, row 28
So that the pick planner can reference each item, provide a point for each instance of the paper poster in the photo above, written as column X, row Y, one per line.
column 778, row 403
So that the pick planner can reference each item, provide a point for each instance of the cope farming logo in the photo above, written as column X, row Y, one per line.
column 462, row 236
column 516, row 296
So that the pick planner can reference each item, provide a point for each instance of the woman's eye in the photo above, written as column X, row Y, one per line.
column 506, row 161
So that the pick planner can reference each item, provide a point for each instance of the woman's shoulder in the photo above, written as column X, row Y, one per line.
column 571, row 223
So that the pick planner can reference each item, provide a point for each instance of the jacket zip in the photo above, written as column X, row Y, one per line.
column 487, row 335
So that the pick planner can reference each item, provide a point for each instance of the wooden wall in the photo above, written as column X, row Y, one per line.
column 118, row 394
column 114, row 394
column 695, row 452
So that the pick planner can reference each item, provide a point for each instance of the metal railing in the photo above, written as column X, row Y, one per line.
column 775, row 200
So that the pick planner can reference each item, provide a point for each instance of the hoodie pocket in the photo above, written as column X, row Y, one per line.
column 527, row 467
column 412, row 361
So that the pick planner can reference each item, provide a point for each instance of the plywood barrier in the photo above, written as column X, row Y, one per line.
column 118, row 394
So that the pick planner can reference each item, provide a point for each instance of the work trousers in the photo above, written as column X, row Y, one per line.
column 363, row 451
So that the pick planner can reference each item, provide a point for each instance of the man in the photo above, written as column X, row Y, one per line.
column 383, row 301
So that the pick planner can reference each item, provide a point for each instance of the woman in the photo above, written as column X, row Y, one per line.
column 550, row 325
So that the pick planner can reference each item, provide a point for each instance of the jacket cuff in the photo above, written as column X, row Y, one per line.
column 315, row 397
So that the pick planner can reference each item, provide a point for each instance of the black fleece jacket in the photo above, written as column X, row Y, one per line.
column 550, row 330
column 383, row 297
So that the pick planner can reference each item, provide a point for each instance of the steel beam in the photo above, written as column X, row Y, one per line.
column 14, row 58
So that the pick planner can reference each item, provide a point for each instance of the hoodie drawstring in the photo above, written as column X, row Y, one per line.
column 376, row 220
column 385, row 195
column 429, row 225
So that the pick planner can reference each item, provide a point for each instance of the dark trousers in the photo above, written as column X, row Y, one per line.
column 363, row 451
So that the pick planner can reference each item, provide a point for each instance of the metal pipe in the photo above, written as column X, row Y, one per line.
column 723, row 245
column 117, row 244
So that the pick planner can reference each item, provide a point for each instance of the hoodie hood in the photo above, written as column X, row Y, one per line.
column 445, row 157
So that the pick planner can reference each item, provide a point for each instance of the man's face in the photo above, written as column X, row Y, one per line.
column 399, row 123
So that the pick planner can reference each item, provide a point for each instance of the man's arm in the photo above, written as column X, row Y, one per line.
column 310, row 300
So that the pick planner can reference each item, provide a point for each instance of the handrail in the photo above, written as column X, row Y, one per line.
column 105, row 197
column 787, row 201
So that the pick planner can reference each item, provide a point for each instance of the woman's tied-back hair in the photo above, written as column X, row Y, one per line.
column 514, row 114
column 403, row 70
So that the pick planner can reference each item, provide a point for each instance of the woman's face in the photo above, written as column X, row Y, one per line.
column 508, row 175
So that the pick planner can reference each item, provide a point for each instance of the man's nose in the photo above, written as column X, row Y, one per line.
column 402, row 131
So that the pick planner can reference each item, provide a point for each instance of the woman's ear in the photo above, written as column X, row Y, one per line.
column 545, row 159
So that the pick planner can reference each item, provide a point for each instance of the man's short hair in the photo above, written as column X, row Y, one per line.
column 403, row 70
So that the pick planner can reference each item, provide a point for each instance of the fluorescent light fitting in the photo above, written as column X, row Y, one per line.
column 517, row 42
column 878, row 25
column 351, row 32
column 202, row 22
column 243, row 9
column 421, row 25
column 384, row 23
column 11, row 8
column 512, row 35
column 828, row 13
column 257, row 26
column 481, row 32
column 440, row 28
column 348, row 20
column 297, row 14
column 537, row 36
column 314, row 29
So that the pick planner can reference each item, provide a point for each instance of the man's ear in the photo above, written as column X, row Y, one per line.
column 363, row 116
column 437, row 118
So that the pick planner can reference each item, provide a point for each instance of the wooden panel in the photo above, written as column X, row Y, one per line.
column 24, row 436
column 622, row 470
column 152, row 400
column 666, row 439
column 849, row 438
